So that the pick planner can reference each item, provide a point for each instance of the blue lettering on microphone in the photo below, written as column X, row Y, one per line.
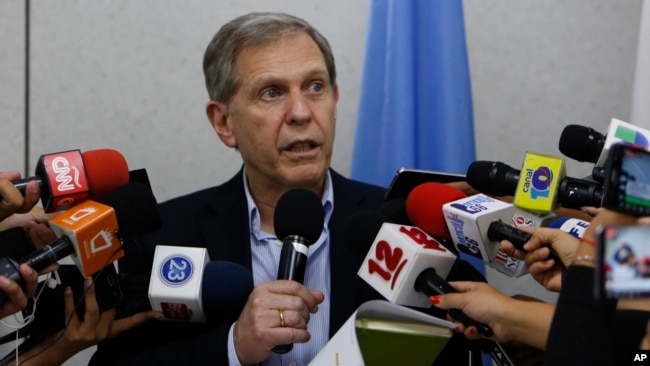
column 538, row 182
column 575, row 232
column 473, row 205
column 176, row 270
column 465, row 244
column 512, row 264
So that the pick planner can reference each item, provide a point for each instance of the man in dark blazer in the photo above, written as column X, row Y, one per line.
column 272, row 85
column 216, row 218
column 271, row 79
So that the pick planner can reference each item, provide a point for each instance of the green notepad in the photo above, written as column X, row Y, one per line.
column 393, row 342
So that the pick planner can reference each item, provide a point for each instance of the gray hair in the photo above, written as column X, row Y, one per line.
column 219, row 68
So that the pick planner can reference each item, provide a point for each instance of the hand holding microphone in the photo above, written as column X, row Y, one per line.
column 508, row 317
column 12, row 200
column 92, row 231
column 16, row 293
column 69, row 177
column 277, row 312
column 542, row 252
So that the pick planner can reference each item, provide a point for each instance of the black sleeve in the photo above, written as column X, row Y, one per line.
column 142, row 346
column 629, row 328
column 581, row 331
column 15, row 243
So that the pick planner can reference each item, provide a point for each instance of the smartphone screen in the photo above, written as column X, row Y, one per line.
column 624, row 268
column 627, row 187
column 406, row 179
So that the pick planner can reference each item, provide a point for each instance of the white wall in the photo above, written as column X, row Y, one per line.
column 12, row 81
column 537, row 66
column 127, row 75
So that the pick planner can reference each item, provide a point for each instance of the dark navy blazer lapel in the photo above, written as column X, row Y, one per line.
column 348, row 290
column 225, row 228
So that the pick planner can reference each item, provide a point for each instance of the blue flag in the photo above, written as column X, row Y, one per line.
column 415, row 106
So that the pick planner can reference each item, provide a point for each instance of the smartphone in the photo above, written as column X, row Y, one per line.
column 623, row 268
column 406, row 179
column 627, row 180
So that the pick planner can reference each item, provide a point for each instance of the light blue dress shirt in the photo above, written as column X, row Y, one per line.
column 265, row 249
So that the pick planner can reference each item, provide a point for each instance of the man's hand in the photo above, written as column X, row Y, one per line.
column 259, row 327
column 12, row 200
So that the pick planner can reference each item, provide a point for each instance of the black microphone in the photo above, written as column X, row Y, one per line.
column 493, row 177
column 499, row 179
column 395, row 210
column 15, row 243
column 298, row 221
column 581, row 143
column 586, row 145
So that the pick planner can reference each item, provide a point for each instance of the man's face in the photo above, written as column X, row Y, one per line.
column 283, row 114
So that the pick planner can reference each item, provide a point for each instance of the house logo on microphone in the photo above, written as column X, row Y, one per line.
column 176, row 270
column 473, row 206
column 463, row 242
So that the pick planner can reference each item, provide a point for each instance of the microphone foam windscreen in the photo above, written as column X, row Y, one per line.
column 106, row 169
column 581, row 143
column 299, row 212
column 135, row 207
column 424, row 207
column 395, row 210
column 361, row 230
column 224, row 290
column 489, row 177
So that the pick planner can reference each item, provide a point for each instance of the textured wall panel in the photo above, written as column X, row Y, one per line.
column 127, row 75
column 12, row 91
column 537, row 66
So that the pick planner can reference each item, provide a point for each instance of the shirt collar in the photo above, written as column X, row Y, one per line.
column 254, row 216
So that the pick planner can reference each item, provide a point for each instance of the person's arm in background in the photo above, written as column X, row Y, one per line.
column 537, row 254
column 12, row 203
column 27, row 220
column 582, row 328
column 12, row 200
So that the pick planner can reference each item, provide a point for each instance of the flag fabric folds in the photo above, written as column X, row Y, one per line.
column 415, row 105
